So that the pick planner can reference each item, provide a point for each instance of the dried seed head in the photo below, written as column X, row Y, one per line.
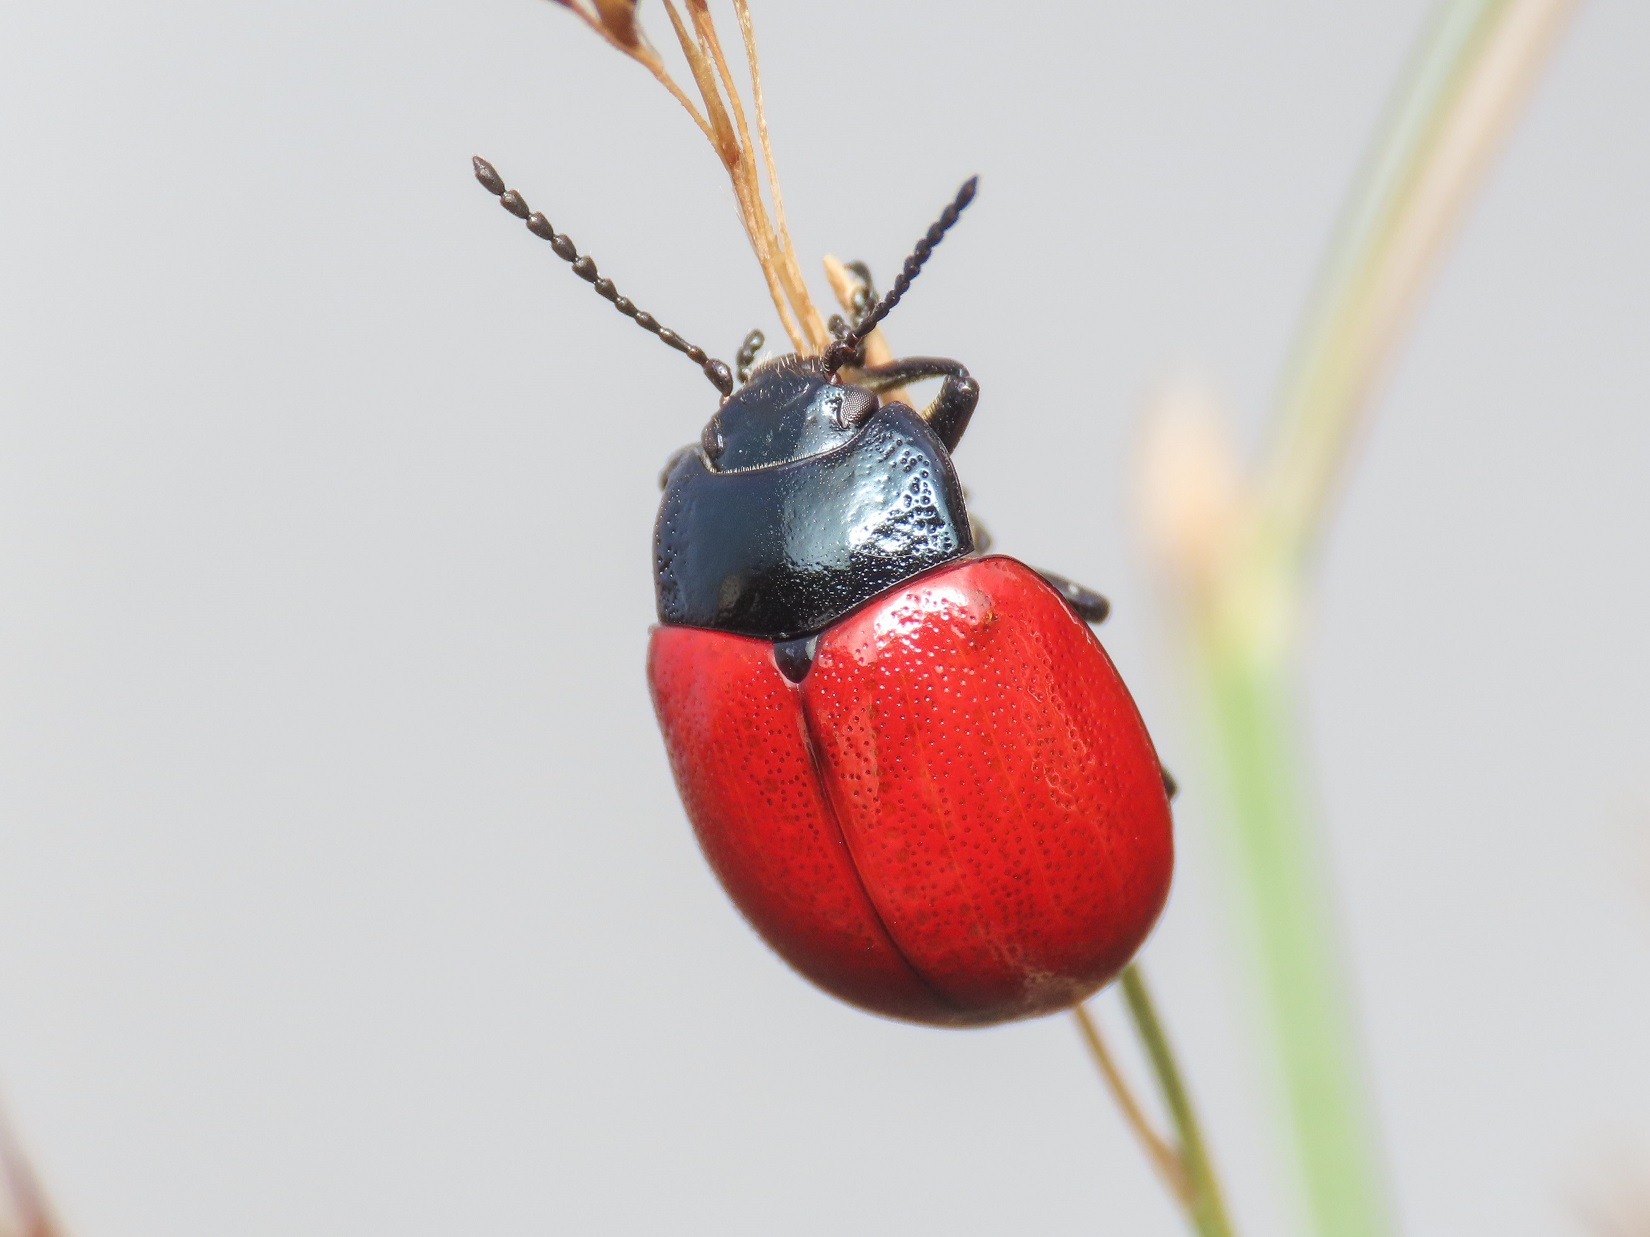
column 742, row 147
column 616, row 21
column 618, row 18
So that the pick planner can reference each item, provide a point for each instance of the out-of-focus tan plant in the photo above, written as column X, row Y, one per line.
column 1235, row 547
column 24, row 1209
column 1621, row 1211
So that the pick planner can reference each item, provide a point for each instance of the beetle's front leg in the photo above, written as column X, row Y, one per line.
column 670, row 464
column 949, row 414
column 1090, row 606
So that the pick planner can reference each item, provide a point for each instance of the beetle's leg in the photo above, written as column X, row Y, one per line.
column 754, row 343
column 670, row 464
column 1090, row 606
column 948, row 415
column 910, row 369
column 864, row 299
column 1170, row 786
column 978, row 533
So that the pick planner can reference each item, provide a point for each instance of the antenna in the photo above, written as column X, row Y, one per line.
column 585, row 268
column 844, row 349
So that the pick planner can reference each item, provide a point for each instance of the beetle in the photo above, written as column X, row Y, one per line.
column 910, row 762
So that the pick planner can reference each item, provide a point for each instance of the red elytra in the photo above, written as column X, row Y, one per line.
column 956, row 817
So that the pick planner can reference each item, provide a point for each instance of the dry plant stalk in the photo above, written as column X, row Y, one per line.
column 727, row 127
column 1165, row 1159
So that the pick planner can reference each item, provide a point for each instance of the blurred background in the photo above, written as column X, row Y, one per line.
column 343, row 887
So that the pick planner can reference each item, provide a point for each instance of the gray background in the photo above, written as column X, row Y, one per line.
column 343, row 889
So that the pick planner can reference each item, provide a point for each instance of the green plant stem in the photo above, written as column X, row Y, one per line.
column 1204, row 1201
column 1297, row 935
column 1245, row 582
column 1455, row 105
column 1164, row 1158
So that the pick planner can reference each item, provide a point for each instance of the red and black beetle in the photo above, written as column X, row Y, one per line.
column 911, row 764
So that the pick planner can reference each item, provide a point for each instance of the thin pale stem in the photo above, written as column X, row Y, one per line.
column 645, row 56
column 812, row 323
column 777, row 251
column 657, row 68
column 769, row 237
column 769, row 249
column 723, row 139
column 705, row 31
column 1477, row 68
column 1164, row 1158
column 727, row 147
column 770, row 270
column 1206, row 1206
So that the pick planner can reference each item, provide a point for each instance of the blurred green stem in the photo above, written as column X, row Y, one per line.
column 1241, row 559
column 1295, row 929
column 1203, row 1199
column 1183, row 1163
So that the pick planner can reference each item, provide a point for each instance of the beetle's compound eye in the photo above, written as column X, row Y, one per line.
column 711, row 440
column 856, row 408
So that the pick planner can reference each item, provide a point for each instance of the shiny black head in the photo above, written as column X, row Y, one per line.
column 789, row 410
column 805, row 500
column 809, row 497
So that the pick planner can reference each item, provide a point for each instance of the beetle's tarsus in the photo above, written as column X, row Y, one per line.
column 746, row 357
column 1091, row 607
column 977, row 530
column 864, row 298
column 953, row 407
